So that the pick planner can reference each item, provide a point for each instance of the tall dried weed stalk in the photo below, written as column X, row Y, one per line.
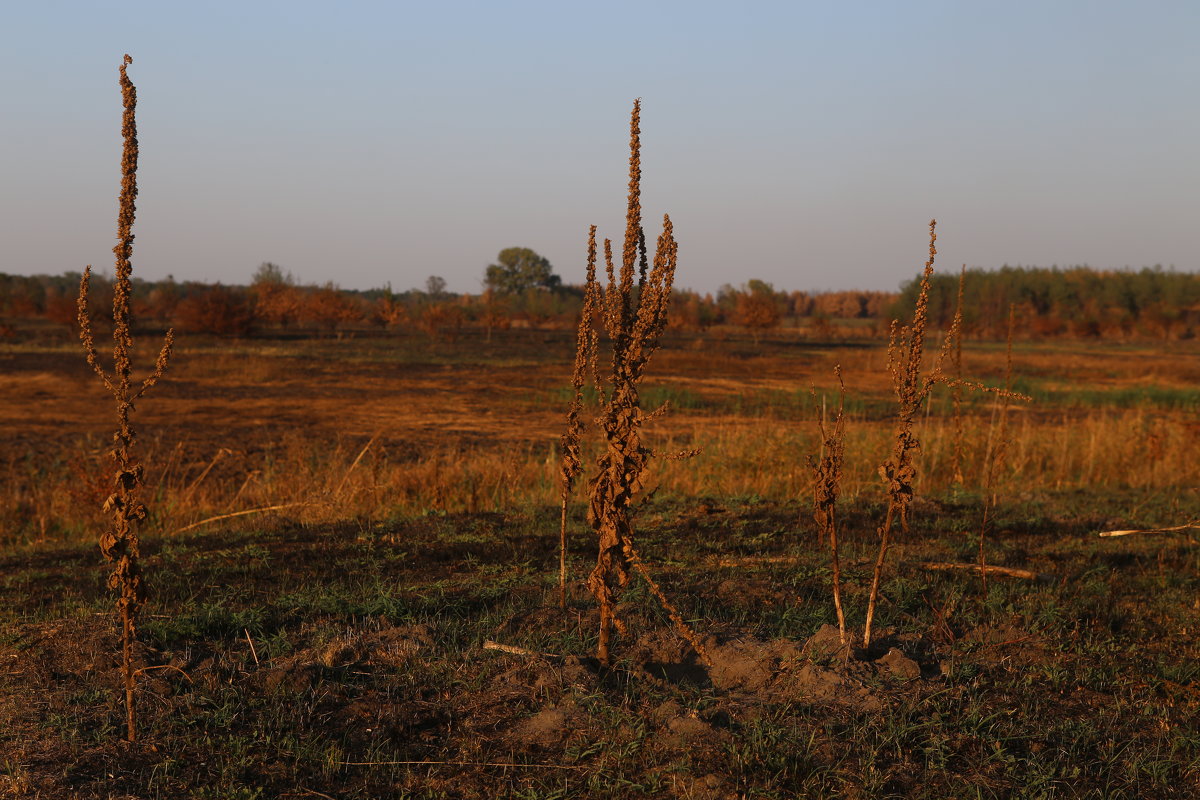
column 912, row 386
column 119, row 544
column 827, row 479
column 956, row 388
column 635, row 314
column 997, row 450
column 570, row 462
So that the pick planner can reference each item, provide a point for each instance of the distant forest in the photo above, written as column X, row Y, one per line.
column 1077, row 301
column 1150, row 303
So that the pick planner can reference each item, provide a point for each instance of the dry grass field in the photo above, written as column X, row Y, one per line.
column 473, row 426
column 336, row 645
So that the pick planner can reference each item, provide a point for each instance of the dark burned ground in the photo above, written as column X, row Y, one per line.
column 349, row 662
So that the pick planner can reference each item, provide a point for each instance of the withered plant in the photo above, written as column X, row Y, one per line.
column 912, row 386
column 119, row 544
column 956, row 388
column 827, row 479
column 570, row 460
column 996, row 451
column 635, row 314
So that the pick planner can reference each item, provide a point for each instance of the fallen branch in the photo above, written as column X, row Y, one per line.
column 516, row 651
column 457, row 764
column 742, row 561
column 237, row 514
column 681, row 626
column 315, row 793
column 989, row 569
column 1176, row 529
column 732, row 561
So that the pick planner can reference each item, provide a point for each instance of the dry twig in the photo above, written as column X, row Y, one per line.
column 220, row 517
column 1010, row 572
column 354, row 464
column 1176, row 529
column 512, row 649
column 502, row 764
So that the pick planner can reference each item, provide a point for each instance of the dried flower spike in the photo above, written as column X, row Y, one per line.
column 119, row 544
column 635, row 315
column 912, row 388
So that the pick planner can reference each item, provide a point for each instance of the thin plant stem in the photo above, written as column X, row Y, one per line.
column 827, row 475
column 956, row 389
column 996, row 454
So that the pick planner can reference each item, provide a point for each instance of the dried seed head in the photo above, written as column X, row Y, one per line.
column 571, row 465
column 119, row 544
column 634, row 317
column 633, row 209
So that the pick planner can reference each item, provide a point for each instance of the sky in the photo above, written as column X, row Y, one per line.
column 801, row 143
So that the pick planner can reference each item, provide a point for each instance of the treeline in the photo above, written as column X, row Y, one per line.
column 758, row 308
column 274, row 302
column 1078, row 302
column 1151, row 303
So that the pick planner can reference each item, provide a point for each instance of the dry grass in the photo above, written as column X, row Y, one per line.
column 995, row 454
column 479, row 431
column 956, row 389
column 481, row 434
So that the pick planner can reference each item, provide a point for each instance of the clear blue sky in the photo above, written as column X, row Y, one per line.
column 806, row 144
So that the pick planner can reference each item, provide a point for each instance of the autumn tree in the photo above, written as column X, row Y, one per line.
column 163, row 300
column 62, row 309
column 276, row 297
column 518, row 269
column 442, row 321
column 493, row 312
column 328, row 307
column 216, row 310
column 435, row 287
column 757, row 309
column 389, row 310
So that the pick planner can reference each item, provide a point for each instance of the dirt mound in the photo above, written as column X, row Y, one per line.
column 78, row 650
column 1005, row 643
column 827, row 644
column 386, row 648
column 746, row 664
column 819, row 670
column 547, row 728
column 899, row 666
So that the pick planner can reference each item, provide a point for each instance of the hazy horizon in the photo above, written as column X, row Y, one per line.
column 806, row 145
column 106, row 274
